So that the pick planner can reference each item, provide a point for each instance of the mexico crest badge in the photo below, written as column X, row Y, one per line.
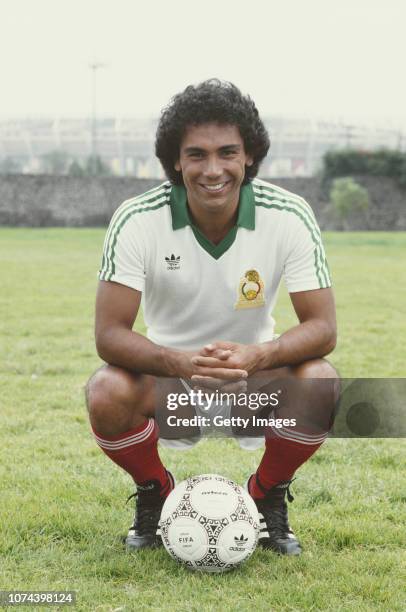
column 250, row 291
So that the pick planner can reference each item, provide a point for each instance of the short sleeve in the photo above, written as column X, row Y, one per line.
column 123, row 254
column 306, row 265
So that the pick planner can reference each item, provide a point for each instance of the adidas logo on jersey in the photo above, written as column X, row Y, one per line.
column 172, row 262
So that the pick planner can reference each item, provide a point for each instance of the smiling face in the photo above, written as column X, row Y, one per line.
column 212, row 161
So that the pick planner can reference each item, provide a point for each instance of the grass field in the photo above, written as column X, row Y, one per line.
column 63, row 512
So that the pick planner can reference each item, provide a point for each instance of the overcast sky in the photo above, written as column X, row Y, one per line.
column 318, row 58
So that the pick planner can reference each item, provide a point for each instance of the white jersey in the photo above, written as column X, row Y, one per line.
column 195, row 292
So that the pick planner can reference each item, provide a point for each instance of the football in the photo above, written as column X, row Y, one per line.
column 209, row 523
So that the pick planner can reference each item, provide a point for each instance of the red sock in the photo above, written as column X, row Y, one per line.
column 284, row 454
column 136, row 451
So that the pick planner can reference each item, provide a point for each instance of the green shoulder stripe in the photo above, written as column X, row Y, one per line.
column 271, row 192
column 149, row 201
column 108, row 271
column 286, row 196
column 303, row 207
column 302, row 213
column 140, row 200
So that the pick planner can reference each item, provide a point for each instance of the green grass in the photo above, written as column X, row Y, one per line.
column 62, row 508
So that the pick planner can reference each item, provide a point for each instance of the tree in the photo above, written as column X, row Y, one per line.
column 55, row 162
column 75, row 169
column 350, row 162
column 95, row 166
column 347, row 196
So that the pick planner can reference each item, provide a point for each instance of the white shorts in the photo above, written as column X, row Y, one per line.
column 216, row 409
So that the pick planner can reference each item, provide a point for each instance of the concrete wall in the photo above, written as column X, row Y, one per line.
column 44, row 201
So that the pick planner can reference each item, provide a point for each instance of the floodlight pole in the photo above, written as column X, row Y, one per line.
column 93, row 128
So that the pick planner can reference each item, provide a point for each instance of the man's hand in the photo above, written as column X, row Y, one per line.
column 220, row 356
column 186, row 365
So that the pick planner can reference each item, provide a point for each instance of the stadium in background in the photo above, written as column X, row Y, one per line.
column 126, row 145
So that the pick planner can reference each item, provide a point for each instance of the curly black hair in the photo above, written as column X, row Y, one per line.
column 210, row 101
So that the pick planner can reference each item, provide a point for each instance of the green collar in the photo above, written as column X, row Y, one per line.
column 181, row 218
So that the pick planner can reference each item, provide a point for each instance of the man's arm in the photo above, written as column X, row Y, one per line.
column 117, row 344
column 314, row 336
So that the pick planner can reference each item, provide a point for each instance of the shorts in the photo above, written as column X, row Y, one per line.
column 222, row 409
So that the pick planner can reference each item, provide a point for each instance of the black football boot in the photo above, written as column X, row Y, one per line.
column 144, row 532
column 275, row 532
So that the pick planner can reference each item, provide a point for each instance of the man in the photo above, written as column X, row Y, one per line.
column 206, row 251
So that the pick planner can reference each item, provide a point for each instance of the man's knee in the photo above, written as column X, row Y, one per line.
column 111, row 386
column 316, row 368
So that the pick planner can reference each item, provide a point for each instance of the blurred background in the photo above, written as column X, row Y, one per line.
column 83, row 85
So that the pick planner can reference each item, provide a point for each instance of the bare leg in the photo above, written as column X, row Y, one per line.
column 118, row 400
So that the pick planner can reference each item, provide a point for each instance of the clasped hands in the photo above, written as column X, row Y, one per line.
column 226, row 365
